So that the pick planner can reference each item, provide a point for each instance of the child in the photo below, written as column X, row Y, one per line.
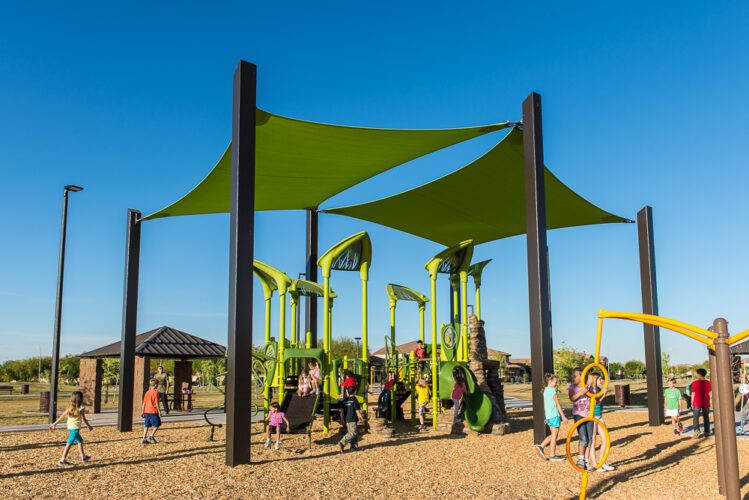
column 352, row 416
column 744, row 394
column 303, row 384
column 150, row 413
column 596, row 386
column 422, row 397
column 580, row 409
column 672, row 403
column 390, row 382
column 554, row 418
column 701, row 403
column 315, row 376
column 75, row 413
column 350, row 381
column 421, row 355
column 275, row 419
column 459, row 389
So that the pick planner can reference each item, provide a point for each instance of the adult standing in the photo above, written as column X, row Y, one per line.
column 163, row 388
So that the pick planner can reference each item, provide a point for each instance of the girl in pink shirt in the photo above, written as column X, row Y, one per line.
column 459, row 389
column 275, row 419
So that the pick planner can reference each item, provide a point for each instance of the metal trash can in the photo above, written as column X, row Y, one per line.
column 44, row 402
column 24, row 388
column 621, row 394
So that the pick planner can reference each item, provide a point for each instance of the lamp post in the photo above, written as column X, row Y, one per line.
column 58, row 306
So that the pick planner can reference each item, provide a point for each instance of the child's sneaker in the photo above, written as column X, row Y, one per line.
column 676, row 431
column 151, row 439
column 354, row 447
column 740, row 430
column 540, row 450
column 85, row 458
column 144, row 441
column 267, row 443
column 342, row 448
column 556, row 458
column 580, row 462
column 278, row 445
column 589, row 466
column 64, row 463
column 608, row 467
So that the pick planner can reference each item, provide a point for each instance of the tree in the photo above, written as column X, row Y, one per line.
column 344, row 346
column 566, row 359
column 634, row 369
column 111, row 369
column 665, row 360
column 70, row 367
column 615, row 369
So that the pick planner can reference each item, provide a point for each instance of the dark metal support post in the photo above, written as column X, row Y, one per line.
column 725, row 420
column 310, row 303
column 542, row 355
column 129, row 322
column 716, row 419
column 650, row 306
column 241, row 255
column 55, row 370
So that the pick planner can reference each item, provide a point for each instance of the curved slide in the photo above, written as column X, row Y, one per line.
column 478, row 406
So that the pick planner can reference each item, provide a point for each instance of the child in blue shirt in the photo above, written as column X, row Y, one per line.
column 554, row 418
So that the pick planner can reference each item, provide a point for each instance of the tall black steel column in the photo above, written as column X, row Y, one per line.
column 542, row 355
column 129, row 322
column 650, row 306
column 241, row 255
column 310, row 303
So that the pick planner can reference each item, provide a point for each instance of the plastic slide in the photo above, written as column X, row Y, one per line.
column 478, row 406
column 299, row 410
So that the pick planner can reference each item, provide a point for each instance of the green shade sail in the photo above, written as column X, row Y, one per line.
column 300, row 164
column 483, row 201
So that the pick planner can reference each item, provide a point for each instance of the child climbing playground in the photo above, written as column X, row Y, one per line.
column 422, row 395
column 554, row 418
column 597, row 382
column 672, row 402
column 459, row 390
column 580, row 409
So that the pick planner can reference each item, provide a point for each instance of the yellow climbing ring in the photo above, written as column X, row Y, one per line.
column 605, row 378
column 569, row 440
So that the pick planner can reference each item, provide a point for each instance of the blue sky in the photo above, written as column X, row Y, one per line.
column 643, row 104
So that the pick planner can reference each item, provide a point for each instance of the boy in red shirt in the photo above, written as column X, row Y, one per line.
column 150, row 413
column 349, row 382
column 701, row 403
column 421, row 355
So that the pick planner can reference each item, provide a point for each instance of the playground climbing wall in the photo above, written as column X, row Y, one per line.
column 487, row 375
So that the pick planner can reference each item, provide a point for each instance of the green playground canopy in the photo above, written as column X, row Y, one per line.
column 299, row 164
column 483, row 201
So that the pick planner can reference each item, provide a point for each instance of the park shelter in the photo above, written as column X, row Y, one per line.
column 161, row 343
column 275, row 163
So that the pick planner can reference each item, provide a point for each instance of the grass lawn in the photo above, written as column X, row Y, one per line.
column 24, row 410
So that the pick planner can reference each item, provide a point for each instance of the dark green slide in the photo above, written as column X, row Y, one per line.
column 478, row 406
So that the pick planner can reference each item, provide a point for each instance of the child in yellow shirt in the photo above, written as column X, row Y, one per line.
column 422, row 397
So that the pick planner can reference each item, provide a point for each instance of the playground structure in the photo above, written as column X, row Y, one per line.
column 456, row 346
column 511, row 194
column 718, row 341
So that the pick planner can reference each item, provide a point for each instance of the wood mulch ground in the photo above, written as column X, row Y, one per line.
column 652, row 463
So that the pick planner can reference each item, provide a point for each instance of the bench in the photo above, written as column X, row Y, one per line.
column 6, row 388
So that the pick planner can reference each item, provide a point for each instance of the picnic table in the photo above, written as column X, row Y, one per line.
column 6, row 388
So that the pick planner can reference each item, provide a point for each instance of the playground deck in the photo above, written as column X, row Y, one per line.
column 473, row 466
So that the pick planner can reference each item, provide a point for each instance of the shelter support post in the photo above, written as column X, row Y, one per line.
column 310, row 301
column 650, row 306
column 725, row 420
column 542, row 358
column 129, row 322
column 241, row 258
column 716, row 419
column 393, row 361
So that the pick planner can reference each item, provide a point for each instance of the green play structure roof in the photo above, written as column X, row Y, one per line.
column 299, row 164
column 483, row 201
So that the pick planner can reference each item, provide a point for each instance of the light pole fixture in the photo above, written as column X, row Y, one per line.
column 54, row 373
